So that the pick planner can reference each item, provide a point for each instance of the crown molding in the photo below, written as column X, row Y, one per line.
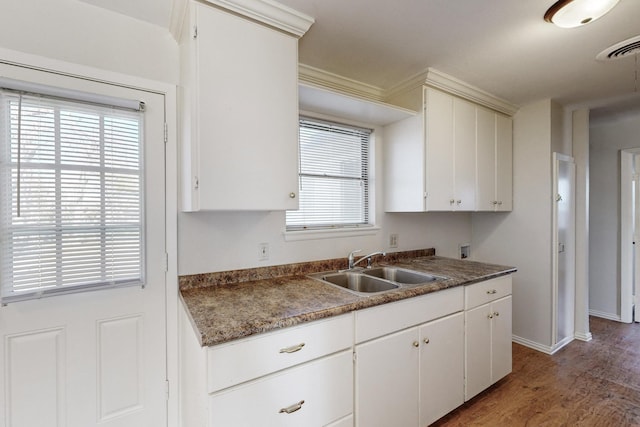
column 178, row 11
column 439, row 80
column 312, row 76
column 269, row 12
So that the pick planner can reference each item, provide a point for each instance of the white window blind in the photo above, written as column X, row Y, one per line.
column 70, row 196
column 333, row 176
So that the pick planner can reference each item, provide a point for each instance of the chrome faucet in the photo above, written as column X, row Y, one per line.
column 353, row 263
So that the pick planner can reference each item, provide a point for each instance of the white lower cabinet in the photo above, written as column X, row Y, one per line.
column 406, row 363
column 414, row 376
column 488, row 335
column 314, row 394
column 387, row 380
column 441, row 367
column 297, row 376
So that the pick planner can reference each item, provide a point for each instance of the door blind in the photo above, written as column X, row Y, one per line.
column 333, row 176
column 71, row 196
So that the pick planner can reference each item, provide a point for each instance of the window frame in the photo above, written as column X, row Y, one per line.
column 297, row 231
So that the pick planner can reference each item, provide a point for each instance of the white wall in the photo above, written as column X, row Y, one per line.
column 522, row 238
column 221, row 241
column 607, row 138
column 79, row 33
column 579, row 135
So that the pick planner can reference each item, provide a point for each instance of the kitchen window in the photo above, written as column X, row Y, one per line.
column 71, row 197
column 333, row 177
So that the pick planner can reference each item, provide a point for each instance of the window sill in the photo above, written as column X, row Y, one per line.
column 294, row 236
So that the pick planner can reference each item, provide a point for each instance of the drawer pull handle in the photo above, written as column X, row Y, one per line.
column 416, row 344
column 490, row 316
column 426, row 340
column 496, row 314
column 492, row 291
column 291, row 409
column 292, row 349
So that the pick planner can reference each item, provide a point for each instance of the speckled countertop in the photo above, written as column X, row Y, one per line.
column 230, row 305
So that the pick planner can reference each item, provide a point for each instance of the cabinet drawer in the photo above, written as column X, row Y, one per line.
column 484, row 292
column 244, row 360
column 382, row 320
column 323, row 390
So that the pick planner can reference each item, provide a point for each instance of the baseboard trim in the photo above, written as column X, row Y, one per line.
column 532, row 344
column 605, row 315
column 561, row 344
column 584, row 337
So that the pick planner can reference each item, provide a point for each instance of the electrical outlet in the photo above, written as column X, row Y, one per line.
column 393, row 240
column 263, row 251
column 465, row 250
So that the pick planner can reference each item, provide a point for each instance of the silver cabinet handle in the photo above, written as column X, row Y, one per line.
column 496, row 314
column 459, row 201
column 490, row 316
column 491, row 291
column 495, row 202
column 291, row 409
column 416, row 344
column 292, row 195
column 292, row 349
column 451, row 201
column 426, row 340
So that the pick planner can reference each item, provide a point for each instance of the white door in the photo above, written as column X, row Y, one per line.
column 636, row 236
column 564, row 242
column 93, row 358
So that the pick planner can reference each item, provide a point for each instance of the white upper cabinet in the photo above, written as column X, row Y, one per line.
column 464, row 159
column 239, row 94
column 494, row 161
column 455, row 156
column 504, row 163
column 439, row 171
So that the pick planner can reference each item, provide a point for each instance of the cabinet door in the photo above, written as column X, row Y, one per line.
column 386, row 378
column 486, row 160
column 477, row 350
column 404, row 158
column 441, row 367
column 504, row 162
column 439, row 151
column 501, row 363
column 464, row 165
column 246, row 114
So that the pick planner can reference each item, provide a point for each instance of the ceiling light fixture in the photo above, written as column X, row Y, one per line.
column 574, row 13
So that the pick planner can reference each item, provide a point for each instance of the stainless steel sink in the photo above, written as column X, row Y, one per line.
column 356, row 281
column 400, row 275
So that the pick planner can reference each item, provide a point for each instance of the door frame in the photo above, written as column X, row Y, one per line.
column 626, row 233
column 169, row 92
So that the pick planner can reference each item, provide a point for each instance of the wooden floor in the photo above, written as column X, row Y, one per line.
column 594, row 383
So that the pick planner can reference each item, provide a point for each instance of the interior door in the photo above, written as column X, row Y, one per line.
column 93, row 358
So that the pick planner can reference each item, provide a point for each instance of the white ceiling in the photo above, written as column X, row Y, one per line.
column 501, row 46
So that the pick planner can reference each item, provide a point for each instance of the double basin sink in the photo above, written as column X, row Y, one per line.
column 375, row 280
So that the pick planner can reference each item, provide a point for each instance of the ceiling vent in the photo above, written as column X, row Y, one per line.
column 623, row 49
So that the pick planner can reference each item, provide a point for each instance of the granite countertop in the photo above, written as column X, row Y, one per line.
column 266, row 299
